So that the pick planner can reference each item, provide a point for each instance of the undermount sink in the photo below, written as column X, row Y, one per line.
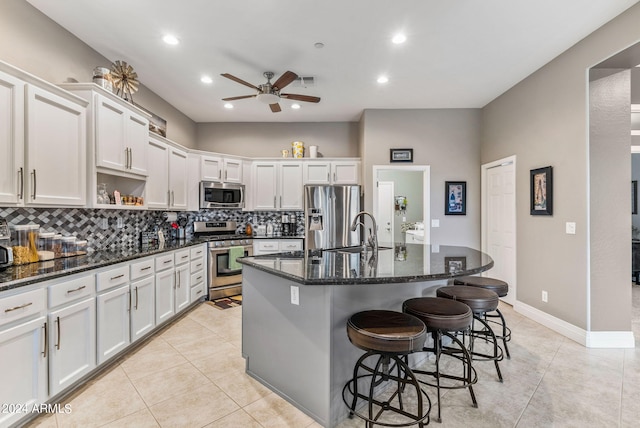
column 357, row 249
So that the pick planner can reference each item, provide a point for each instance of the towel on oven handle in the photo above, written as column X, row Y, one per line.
column 234, row 253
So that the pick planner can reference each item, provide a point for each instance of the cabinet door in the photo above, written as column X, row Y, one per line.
column 23, row 367
column 265, row 189
column 345, row 172
column 232, row 170
column 317, row 173
column 110, row 132
column 72, row 344
column 113, row 322
column 11, row 139
column 177, row 179
column 55, row 147
column 143, row 314
column 290, row 186
column 183, row 289
column 211, row 168
column 136, row 136
column 165, row 295
column 156, row 192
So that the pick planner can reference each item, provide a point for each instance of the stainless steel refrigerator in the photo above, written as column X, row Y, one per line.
column 328, row 213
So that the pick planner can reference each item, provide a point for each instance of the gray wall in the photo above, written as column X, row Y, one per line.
column 334, row 139
column 31, row 41
column 543, row 120
column 448, row 141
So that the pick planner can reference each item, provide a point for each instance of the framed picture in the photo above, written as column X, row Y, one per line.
column 455, row 198
column 541, row 181
column 400, row 155
column 634, row 197
column 455, row 264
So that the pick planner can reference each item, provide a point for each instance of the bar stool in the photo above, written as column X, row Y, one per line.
column 445, row 318
column 390, row 336
column 501, row 288
column 480, row 301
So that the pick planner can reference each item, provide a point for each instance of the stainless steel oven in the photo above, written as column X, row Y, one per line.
column 223, row 280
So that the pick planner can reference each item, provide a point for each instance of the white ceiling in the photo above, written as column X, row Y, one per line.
column 458, row 53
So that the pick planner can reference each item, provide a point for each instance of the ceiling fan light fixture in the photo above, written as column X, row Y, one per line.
column 268, row 98
column 170, row 39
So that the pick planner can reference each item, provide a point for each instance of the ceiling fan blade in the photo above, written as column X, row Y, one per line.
column 275, row 108
column 236, row 79
column 299, row 97
column 238, row 98
column 284, row 80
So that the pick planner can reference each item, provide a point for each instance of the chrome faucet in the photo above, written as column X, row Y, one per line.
column 372, row 241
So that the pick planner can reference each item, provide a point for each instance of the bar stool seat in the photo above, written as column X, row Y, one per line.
column 444, row 317
column 390, row 336
column 501, row 288
column 480, row 301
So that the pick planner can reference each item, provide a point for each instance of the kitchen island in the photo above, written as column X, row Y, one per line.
column 296, row 305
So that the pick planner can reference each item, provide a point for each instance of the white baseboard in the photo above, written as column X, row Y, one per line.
column 589, row 339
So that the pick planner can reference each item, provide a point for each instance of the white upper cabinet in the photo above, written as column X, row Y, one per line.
column 55, row 146
column 221, row 169
column 277, row 186
column 177, row 179
column 11, row 139
column 265, row 185
column 290, row 187
column 332, row 172
column 167, row 180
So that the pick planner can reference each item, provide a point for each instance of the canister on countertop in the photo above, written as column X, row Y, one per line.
column 25, row 249
column 57, row 246
column 68, row 246
column 81, row 247
column 45, row 247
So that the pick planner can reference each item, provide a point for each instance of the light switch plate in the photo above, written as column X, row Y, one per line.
column 570, row 228
column 435, row 222
column 295, row 295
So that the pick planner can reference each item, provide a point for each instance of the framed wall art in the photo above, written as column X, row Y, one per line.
column 541, row 193
column 455, row 198
column 400, row 155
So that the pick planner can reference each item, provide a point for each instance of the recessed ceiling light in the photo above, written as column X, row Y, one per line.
column 383, row 79
column 228, row 105
column 399, row 38
column 206, row 79
column 295, row 106
column 170, row 39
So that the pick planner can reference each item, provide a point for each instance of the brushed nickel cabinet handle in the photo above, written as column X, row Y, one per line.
column 184, row 257
column 34, row 184
column 328, row 177
column 146, row 268
column 129, row 308
column 130, row 158
column 46, row 341
column 274, row 202
column 334, row 176
column 225, row 175
column 76, row 289
column 199, row 278
column 280, row 201
column 116, row 277
column 167, row 261
column 136, row 298
column 21, row 175
column 15, row 308
column 220, row 174
column 58, row 328
column 199, row 291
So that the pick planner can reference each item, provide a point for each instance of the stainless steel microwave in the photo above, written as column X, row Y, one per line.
column 221, row 195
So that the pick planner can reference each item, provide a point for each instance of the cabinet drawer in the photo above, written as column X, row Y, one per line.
column 164, row 261
column 268, row 245
column 70, row 291
column 197, row 278
column 112, row 278
column 291, row 245
column 182, row 256
column 197, row 252
column 197, row 292
column 22, row 305
column 197, row 265
column 142, row 269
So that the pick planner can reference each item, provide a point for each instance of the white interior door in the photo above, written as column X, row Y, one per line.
column 384, row 211
column 499, row 225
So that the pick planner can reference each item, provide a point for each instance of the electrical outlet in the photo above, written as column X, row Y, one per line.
column 435, row 222
column 105, row 224
column 545, row 296
column 570, row 228
column 295, row 295
column 120, row 223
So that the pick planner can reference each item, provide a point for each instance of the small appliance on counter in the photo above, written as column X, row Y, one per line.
column 289, row 225
column 6, row 254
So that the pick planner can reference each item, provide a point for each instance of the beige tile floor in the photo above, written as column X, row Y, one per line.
column 177, row 379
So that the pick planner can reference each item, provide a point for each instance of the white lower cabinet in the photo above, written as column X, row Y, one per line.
column 198, row 273
column 183, row 280
column 23, row 367
column 72, row 343
column 113, row 322
column 272, row 246
column 143, row 314
column 165, row 295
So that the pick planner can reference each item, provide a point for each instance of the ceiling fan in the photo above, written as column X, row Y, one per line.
column 269, row 93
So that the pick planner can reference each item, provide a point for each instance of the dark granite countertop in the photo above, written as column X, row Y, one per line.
column 19, row 276
column 397, row 263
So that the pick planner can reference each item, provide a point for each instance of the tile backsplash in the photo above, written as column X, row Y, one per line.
column 90, row 224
